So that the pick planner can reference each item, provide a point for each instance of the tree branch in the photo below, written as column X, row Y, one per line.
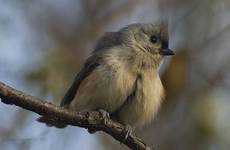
column 92, row 119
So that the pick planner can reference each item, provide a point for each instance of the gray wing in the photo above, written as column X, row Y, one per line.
column 90, row 65
column 110, row 39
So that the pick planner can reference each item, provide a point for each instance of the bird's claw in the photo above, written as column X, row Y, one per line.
column 126, row 133
column 105, row 115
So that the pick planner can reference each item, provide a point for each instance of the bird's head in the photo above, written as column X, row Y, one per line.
column 147, row 37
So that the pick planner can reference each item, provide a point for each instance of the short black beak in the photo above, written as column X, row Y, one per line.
column 166, row 52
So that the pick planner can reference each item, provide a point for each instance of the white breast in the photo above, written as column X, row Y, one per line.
column 142, row 108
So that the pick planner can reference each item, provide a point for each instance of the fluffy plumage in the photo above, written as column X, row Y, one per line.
column 121, row 75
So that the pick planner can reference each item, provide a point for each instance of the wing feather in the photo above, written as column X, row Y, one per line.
column 89, row 66
column 110, row 39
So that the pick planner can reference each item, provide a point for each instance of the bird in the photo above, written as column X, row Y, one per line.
column 121, row 76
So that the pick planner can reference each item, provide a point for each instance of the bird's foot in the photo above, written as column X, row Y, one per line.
column 126, row 133
column 105, row 115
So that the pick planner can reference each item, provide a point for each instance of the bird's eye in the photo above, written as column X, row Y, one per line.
column 153, row 39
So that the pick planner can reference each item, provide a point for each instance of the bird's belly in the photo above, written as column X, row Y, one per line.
column 105, row 88
column 142, row 108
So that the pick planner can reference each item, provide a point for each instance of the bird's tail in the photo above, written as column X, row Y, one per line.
column 51, row 122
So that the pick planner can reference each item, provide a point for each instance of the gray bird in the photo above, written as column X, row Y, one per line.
column 121, row 76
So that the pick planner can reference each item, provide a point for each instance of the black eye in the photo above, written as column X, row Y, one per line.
column 153, row 39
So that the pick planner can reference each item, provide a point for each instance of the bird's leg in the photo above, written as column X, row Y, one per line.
column 105, row 115
column 126, row 132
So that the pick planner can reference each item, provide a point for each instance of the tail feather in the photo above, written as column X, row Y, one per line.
column 51, row 122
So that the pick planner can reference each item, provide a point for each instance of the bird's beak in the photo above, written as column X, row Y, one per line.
column 166, row 52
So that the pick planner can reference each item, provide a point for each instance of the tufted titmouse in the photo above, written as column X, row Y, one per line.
column 121, row 76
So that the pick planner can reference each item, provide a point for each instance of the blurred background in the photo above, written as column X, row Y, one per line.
column 43, row 43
